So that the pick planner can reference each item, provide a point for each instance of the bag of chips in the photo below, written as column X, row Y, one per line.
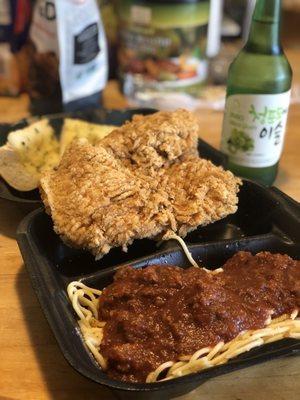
column 68, row 56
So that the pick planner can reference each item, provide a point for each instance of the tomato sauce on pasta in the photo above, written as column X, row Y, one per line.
column 162, row 322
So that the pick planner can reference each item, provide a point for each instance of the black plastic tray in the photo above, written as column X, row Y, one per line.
column 266, row 220
column 100, row 116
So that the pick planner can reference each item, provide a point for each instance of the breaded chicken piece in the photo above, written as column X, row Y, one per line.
column 199, row 192
column 103, row 196
column 156, row 140
column 96, row 203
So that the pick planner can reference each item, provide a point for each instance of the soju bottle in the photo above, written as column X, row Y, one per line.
column 258, row 95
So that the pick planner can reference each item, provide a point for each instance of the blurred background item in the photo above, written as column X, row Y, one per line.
column 67, row 56
column 291, row 4
column 162, row 48
column 165, row 53
column 14, row 25
column 236, row 18
column 214, row 27
column 109, row 18
column 291, row 23
column 174, row 53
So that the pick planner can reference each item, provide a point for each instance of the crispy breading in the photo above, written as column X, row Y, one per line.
column 106, row 196
column 199, row 192
column 97, row 204
column 156, row 140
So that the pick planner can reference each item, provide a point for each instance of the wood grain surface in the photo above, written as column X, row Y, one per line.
column 31, row 364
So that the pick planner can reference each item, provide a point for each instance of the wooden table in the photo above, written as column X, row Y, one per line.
column 31, row 364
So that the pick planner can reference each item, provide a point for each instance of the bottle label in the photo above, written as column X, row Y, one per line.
column 254, row 128
column 162, row 48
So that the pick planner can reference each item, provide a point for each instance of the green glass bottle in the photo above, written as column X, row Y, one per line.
column 258, row 96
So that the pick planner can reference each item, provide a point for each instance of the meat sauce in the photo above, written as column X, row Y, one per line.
column 158, row 313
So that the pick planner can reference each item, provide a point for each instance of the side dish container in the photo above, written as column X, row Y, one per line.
column 266, row 220
column 98, row 116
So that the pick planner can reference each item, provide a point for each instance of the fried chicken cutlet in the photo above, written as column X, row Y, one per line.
column 156, row 140
column 136, row 184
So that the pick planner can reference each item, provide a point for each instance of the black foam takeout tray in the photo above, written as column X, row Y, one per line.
column 100, row 116
column 266, row 220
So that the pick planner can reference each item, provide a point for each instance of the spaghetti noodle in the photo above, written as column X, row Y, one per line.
column 286, row 326
column 189, row 256
column 172, row 235
column 85, row 302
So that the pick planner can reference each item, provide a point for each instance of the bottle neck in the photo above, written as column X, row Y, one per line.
column 264, row 36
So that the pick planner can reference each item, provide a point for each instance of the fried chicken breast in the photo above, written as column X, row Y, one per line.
column 141, row 181
column 156, row 140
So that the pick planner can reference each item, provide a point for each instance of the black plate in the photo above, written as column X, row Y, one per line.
column 98, row 116
column 266, row 220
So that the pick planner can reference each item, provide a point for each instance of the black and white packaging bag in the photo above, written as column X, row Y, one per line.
column 73, row 31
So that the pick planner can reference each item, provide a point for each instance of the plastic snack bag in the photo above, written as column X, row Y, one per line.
column 14, row 23
column 68, row 56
